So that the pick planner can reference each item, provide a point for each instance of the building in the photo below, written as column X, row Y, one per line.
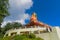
column 38, row 28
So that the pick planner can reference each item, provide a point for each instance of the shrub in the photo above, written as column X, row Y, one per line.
column 22, row 37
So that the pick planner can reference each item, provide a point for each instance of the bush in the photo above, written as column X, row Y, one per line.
column 26, row 37
column 7, row 38
column 32, row 36
column 19, row 37
column 22, row 37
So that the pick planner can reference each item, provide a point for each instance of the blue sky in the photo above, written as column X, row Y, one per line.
column 48, row 11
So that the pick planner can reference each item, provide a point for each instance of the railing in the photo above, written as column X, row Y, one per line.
column 32, row 29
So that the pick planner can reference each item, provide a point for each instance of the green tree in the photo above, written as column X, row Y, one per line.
column 7, row 27
column 17, row 25
column 11, row 26
column 3, row 10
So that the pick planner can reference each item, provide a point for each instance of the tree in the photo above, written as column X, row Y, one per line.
column 11, row 26
column 3, row 10
column 17, row 25
column 7, row 27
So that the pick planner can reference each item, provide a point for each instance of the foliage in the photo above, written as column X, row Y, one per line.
column 12, row 25
column 22, row 37
column 1, row 38
column 1, row 35
column 16, row 25
column 7, row 38
column 4, row 4
column 9, row 26
column 3, row 12
column 26, row 37
column 3, row 9
column 32, row 36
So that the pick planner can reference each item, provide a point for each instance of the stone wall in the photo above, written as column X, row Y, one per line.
column 50, row 35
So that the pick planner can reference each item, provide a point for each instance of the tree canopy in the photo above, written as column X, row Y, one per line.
column 4, row 4
column 11, row 26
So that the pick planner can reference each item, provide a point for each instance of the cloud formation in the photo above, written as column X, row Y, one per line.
column 17, row 11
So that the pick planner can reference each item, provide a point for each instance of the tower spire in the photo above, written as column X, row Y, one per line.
column 33, row 17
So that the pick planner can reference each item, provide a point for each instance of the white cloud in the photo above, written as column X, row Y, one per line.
column 5, row 22
column 17, row 11
column 22, row 4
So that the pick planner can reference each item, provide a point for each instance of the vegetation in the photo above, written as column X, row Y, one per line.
column 12, row 25
column 9, row 26
column 22, row 37
column 3, row 10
